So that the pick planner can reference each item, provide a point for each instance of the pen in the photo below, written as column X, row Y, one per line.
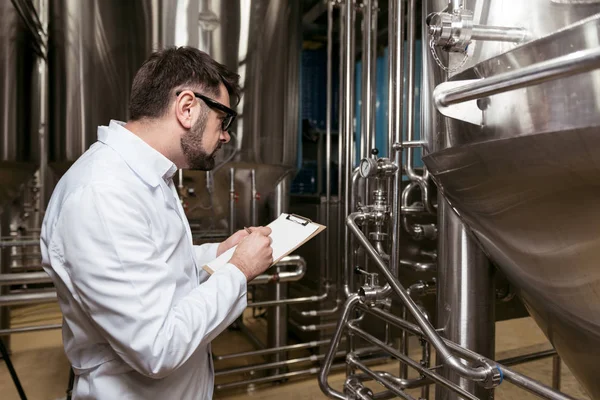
column 248, row 230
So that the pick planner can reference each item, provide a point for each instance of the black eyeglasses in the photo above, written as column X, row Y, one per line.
column 229, row 113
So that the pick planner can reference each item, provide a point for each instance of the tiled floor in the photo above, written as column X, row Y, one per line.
column 43, row 368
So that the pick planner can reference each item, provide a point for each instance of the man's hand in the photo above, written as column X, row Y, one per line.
column 254, row 254
column 233, row 240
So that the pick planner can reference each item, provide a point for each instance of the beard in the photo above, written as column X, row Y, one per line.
column 191, row 144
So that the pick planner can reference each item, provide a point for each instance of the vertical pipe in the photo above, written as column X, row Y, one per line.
column 395, row 110
column 366, row 81
column 348, row 133
column 341, row 146
column 277, row 316
column 426, row 363
column 348, row 79
column 556, row 367
column 391, row 66
column 410, row 90
column 231, row 201
column 373, row 76
column 253, row 208
column 328, row 135
column 367, row 90
column 5, row 269
column 456, row 5
column 465, row 297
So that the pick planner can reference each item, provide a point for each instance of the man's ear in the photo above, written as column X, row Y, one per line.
column 184, row 107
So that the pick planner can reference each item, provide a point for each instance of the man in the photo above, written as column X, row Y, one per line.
column 139, row 311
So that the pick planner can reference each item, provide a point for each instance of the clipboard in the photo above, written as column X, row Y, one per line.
column 289, row 231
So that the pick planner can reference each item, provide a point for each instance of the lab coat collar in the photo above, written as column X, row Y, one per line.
column 145, row 161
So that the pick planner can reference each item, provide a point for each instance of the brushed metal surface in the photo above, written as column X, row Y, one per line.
column 19, row 140
column 526, row 181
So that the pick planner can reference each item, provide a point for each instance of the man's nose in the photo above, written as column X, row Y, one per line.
column 225, row 137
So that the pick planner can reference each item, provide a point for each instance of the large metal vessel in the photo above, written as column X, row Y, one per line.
column 19, row 104
column 95, row 48
column 521, row 167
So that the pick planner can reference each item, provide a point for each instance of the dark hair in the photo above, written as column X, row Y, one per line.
column 166, row 70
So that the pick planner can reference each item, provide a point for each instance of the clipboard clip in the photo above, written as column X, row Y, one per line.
column 298, row 219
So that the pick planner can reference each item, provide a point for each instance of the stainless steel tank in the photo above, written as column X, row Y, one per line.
column 19, row 108
column 261, row 41
column 521, row 168
column 95, row 48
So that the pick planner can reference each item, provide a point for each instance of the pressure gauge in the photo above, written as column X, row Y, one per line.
column 368, row 167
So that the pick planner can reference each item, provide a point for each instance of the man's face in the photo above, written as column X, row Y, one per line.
column 201, row 143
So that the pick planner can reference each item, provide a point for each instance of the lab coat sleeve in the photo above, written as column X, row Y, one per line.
column 205, row 253
column 128, row 292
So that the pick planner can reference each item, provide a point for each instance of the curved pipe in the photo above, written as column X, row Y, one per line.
column 514, row 377
column 475, row 374
column 286, row 276
column 335, row 341
column 559, row 67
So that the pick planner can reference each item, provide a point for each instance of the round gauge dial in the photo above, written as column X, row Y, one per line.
column 368, row 167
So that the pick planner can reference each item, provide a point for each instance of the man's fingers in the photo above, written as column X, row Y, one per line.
column 264, row 230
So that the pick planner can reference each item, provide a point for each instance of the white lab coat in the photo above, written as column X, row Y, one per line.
column 139, row 312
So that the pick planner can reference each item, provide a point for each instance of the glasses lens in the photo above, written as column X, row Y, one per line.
column 227, row 122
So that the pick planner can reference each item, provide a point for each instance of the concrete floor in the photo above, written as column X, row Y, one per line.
column 43, row 368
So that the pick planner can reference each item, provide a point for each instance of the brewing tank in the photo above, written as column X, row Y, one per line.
column 521, row 168
column 95, row 48
column 19, row 104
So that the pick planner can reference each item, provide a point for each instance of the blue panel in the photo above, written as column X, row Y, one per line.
column 381, row 105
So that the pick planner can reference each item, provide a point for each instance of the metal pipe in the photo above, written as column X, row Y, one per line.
column 351, row 359
column 321, row 312
column 456, row 5
column 341, row 146
column 328, row 135
column 312, row 328
column 277, row 328
column 19, row 243
column 527, row 357
column 27, row 298
column 277, row 364
column 476, row 374
column 253, row 208
column 556, row 367
column 310, row 371
column 348, row 128
column 419, row 288
column 396, row 127
column 366, row 82
column 426, row 362
column 419, row 266
column 515, row 378
column 500, row 34
column 299, row 346
column 374, row 16
column 391, row 81
column 559, row 67
column 11, row 331
column 413, row 364
column 231, row 201
column 278, row 277
column 335, row 340
column 465, row 293
column 410, row 95
column 24, row 278
column 297, row 300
